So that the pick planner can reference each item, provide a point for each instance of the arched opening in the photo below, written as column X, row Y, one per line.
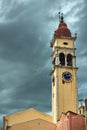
column 62, row 58
column 69, row 60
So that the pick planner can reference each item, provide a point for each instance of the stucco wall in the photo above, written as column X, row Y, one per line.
column 78, row 123
column 24, row 116
column 71, row 121
column 37, row 124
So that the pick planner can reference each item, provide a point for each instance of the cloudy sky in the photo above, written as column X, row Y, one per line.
column 26, row 29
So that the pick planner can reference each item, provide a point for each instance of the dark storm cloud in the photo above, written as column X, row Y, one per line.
column 24, row 56
column 26, row 29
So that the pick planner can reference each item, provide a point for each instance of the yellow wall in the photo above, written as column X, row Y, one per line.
column 37, row 124
column 59, row 42
column 24, row 116
column 67, row 92
column 64, row 96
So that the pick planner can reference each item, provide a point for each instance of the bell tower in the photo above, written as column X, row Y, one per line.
column 64, row 79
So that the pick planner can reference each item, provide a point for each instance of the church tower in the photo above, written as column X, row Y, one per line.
column 64, row 79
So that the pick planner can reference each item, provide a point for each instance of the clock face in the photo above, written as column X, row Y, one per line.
column 67, row 76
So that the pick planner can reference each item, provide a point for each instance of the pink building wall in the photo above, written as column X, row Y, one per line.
column 78, row 123
column 71, row 121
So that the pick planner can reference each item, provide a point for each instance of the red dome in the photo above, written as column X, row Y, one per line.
column 62, row 30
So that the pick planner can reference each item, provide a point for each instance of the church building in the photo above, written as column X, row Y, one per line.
column 64, row 90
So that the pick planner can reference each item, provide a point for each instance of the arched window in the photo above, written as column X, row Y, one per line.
column 62, row 58
column 69, row 60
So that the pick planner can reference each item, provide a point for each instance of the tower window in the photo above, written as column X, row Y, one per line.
column 65, row 43
column 69, row 60
column 62, row 58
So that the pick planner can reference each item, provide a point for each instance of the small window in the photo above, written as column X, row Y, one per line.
column 65, row 43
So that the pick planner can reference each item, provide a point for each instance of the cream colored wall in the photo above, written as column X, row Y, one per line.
column 67, row 92
column 59, row 43
column 69, row 41
column 37, row 124
column 64, row 96
column 23, row 116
